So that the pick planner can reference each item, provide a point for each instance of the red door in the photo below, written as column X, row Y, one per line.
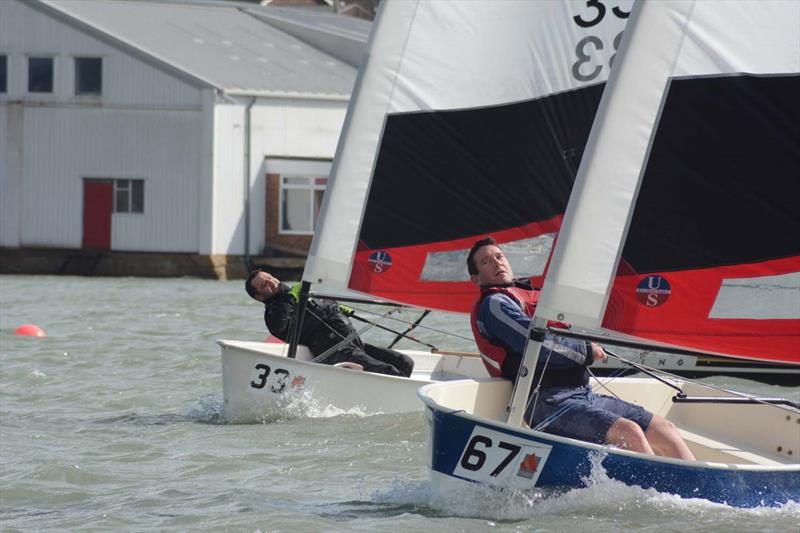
column 98, row 197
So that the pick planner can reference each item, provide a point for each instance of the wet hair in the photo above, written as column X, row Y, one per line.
column 472, row 268
column 248, row 286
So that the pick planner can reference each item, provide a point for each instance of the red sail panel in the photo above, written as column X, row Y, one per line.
column 711, row 258
column 723, row 310
column 398, row 273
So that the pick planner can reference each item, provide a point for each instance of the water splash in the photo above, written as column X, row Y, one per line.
column 294, row 405
column 602, row 498
column 467, row 500
column 209, row 410
column 304, row 404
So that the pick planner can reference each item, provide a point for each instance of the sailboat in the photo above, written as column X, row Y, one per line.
column 434, row 124
column 682, row 214
column 443, row 144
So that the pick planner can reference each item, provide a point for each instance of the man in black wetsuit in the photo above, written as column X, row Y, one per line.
column 324, row 325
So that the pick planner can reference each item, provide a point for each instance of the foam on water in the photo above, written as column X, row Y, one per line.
column 210, row 409
column 602, row 498
column 305, row 405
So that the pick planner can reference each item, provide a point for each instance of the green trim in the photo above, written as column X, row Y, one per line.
column 295, row 292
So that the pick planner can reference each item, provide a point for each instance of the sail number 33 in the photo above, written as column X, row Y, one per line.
column 584, row 68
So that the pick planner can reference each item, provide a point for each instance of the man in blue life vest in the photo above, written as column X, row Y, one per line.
column 324, row 327
column 500, row 321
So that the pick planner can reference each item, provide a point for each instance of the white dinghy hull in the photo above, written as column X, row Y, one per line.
column 747, row 454
column 260, row 382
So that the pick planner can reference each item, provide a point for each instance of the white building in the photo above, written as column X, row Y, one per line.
column 168, row 126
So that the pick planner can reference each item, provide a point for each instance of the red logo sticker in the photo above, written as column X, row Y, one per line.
column 528, row 467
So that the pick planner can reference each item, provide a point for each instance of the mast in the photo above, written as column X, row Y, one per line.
column 297, row 326
column 602, row 200
column 336, row 235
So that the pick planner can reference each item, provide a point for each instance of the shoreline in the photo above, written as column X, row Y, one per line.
column 77, row 262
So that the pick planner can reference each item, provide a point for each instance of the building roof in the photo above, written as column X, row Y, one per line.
column 238, row 48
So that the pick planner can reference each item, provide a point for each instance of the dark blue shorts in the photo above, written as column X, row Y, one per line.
column 579, row 413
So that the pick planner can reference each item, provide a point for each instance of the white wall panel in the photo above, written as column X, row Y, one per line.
column 10, row 175
column 298, row 128
column 127, row 79
column 229, row 186
column 293, row 129
column 204, row 228
column 63, row 146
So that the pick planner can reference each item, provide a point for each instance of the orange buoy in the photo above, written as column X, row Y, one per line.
column 30, row 330
column 272, row 338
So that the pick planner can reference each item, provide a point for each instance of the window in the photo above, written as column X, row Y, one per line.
column 40, row 74
column 129, row 196
column 3, row 75
column 301, row 199
column 88, row 75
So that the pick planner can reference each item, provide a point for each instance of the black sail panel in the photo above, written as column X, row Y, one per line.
column 445, row 175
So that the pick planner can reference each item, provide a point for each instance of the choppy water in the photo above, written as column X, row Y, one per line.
column 113, row 422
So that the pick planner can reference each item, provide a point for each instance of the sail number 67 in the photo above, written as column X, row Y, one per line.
column 475, row 457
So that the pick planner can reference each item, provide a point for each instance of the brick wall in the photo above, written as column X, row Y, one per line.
column 292, row 244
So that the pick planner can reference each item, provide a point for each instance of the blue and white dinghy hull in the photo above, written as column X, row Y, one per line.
column 468, row 444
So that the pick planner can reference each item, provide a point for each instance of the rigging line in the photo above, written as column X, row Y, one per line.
column 552, row 346
column 561, row 411
column 410, row 329
column 564, row 408
column 557, row 414
column 345, row 340
column 650, row 370
column 312, row 313
column 366, row 301
column 535, row 391
column 399, row 334
column 640, row 368
column 421, row 326
column 602, row 384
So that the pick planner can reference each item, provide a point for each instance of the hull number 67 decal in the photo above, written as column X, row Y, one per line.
column 496, row 458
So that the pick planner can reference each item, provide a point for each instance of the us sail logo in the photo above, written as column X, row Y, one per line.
column 653, row 291
column 381, row 261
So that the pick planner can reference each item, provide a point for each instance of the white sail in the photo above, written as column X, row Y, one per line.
column 443, row 55
column 664, row 40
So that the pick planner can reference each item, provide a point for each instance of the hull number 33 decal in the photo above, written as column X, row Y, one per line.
column 262, row 375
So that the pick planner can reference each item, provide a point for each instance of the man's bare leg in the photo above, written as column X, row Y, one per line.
column 628, row 435
column 666, row 440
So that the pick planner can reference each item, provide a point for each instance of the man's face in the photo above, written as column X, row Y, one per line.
column 265, row 285
column 493, row 267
